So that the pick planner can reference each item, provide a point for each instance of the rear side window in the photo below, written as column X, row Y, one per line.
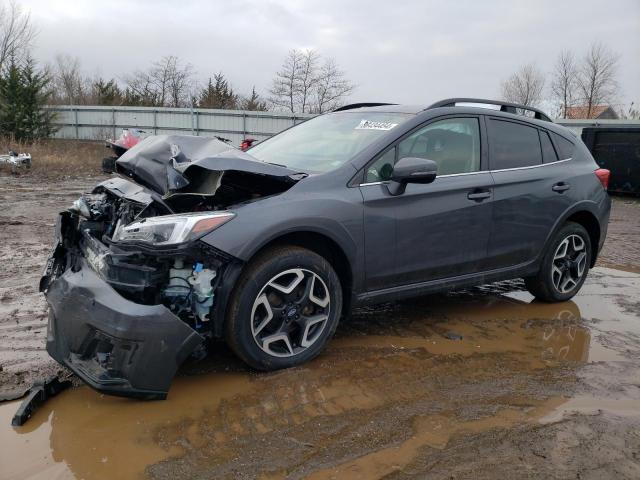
column 564, row 146
column 548, row 152
column 513, row 145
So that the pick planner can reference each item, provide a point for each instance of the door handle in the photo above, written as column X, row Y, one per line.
column 561, row 187
column 479, row 195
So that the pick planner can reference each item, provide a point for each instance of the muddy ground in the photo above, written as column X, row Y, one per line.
column 529, row 390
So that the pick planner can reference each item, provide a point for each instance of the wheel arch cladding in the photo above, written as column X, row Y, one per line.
column 589, row 221
column 324, row 246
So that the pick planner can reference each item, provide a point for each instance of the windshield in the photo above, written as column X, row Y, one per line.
column 327, row 141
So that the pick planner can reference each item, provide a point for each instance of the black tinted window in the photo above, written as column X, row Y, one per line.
column 548, row 152
column 513, row 145
column 564, row 146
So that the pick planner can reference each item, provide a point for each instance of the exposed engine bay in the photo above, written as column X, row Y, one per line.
column 141, row 236
column 181, row 277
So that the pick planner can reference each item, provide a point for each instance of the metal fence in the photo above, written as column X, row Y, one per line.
column 578, row 125
column 99, row 123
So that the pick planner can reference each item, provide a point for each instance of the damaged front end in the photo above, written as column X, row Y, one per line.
column 132, row 289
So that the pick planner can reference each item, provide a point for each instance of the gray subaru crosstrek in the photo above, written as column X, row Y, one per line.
column 192, row 240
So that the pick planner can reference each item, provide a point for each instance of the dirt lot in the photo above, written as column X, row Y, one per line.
column 529, row 391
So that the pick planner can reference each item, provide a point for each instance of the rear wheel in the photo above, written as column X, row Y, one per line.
column 564, row 266
column 284, row 309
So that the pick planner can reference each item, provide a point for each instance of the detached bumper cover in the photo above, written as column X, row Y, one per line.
column 116, row 346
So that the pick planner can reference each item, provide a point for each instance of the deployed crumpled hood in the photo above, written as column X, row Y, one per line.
column 170, row 163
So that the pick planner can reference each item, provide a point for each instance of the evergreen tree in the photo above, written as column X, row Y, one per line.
column 106, row 92
column 218, row 94
column 23, row 92
column 10, row 100
column 253, row 102
column 133, row 99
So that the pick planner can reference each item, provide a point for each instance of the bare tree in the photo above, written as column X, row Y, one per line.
column 630, row 113
column 597, row 78
column 160, row 77
column 524, row 86
column 16, row 33
column 141, row 90
column 306, row 83
column 180, row 81
column 70, row 87
column 167, row 83
column 284, row 91
column 564, row 83
column 307, row 78
column 331, row 88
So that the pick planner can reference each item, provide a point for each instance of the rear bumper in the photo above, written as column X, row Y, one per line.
column 116, row 346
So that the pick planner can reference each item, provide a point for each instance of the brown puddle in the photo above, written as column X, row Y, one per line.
column 396, row 380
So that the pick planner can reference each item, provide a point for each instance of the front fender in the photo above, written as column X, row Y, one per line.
column 337, row 217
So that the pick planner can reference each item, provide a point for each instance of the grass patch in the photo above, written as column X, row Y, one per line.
column 53, row 157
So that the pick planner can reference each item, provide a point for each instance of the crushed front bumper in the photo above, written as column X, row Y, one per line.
column 116, row 346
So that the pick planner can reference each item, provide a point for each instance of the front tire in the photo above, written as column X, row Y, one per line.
column 564, row 267
column 284, row 309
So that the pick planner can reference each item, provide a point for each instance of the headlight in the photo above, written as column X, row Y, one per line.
column 171, row 229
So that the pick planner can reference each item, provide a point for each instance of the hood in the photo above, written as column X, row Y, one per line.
column 170, row 164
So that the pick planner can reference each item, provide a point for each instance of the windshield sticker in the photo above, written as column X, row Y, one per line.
column 369, row 125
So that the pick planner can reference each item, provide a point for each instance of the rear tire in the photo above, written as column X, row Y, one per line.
column 564, row 266
column 284, row 308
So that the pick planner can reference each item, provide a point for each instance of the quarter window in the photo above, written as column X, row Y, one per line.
column 564, row 146
column 513, row 145
column 548, row 152
column 380, row 170
column 454, row 144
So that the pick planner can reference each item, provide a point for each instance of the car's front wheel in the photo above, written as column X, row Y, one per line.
column 564, row 267
column 284, row 309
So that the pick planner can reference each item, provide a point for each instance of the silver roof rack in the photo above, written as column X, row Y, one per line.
column 503, row 106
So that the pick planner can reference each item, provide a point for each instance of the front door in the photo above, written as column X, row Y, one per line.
column 432, row 231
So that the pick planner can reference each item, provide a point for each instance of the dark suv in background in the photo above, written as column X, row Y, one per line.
column 269, row 248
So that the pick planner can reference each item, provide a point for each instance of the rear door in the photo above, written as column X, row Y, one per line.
column 436, row 230
column 531, row 189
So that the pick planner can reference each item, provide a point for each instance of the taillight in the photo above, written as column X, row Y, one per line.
column 603, row 175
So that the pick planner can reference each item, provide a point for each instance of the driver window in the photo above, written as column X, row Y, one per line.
column 380, row 170
column 454, row 144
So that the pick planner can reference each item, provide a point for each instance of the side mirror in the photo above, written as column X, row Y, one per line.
column 411, row 170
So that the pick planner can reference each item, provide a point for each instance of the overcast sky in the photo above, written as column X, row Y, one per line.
column 400, row 51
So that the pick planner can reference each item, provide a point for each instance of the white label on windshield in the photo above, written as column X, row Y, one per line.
column 369, row 125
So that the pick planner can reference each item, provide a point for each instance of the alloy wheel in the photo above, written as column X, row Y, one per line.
column 290, row 312
column 569, row 263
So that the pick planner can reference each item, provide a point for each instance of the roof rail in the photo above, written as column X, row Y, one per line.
column 361, row 105
column 504, row 106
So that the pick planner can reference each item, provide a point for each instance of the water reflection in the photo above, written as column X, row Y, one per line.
column 395, row 358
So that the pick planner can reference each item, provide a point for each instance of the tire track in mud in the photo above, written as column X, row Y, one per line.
column 28, row 209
